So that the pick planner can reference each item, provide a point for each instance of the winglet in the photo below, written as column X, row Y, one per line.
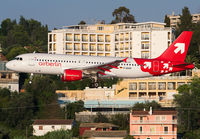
column 125, row 60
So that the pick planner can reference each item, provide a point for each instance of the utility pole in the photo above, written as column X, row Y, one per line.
column 26, row 132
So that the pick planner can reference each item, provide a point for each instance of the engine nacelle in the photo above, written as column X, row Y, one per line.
column 72, row 75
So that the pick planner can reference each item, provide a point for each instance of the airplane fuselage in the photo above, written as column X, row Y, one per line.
column 57, row 64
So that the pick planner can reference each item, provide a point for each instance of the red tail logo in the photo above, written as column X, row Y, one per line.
column 172, row 60
column 178, row 49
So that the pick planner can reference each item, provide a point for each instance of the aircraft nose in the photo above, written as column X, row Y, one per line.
column 9, row 65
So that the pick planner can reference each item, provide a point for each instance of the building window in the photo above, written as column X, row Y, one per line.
column 3, row 75
column 50, row 38
column 141, row 119
column 100, row 38
column 152, row 94
column 142, row 94
column 54, row 47
column 152, row 85
column 132, row 86
column 100, row 28
column 116, row 37
column 53, row 127
column 180, row 83
column 145, row 55
column 140, row 129
column 63, row 126
column 107, row 38
column 169, row 36
column 165, row 130
column 145, row 36
column 54, row 37
column 161, row 94
column 163, row 117
column 171, row 86
column 145, row 45
column 161, row 86
column 68, row 37
column 152, row 129
column 84, row 37
column 50, row 47
column 76, row 46
column 40, row 127
column 142, row 86
column 132, row 94
column 76, row 37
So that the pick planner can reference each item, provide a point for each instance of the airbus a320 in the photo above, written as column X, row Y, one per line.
column 73, row 67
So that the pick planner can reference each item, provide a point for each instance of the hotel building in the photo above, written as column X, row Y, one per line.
column 140, row 40
column 175, row 19
column 153, row 124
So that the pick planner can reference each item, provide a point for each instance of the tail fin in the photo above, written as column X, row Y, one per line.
column 178, row 49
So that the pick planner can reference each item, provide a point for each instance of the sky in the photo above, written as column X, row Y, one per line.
column 59, row 13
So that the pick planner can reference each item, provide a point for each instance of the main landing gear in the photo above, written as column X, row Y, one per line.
column 95, row 82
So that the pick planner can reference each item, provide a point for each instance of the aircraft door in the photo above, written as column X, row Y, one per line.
column 31, row 62
column 155, row 66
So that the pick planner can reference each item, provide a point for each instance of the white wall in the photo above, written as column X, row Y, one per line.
column 12, row 86
column 48, row 128
column 60, row 45
column 136, row 44
column 159, row 43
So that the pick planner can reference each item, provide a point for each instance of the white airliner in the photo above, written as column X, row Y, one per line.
column 73, row 67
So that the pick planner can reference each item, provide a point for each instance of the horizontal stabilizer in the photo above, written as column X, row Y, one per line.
column 184, row 65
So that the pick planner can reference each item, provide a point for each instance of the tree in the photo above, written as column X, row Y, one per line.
column 72, row 108
column 122, row 120
column 15, row 51
column 146, row 105
column 100, row 118
column 185, row 22
column 167, row 21
column 122, row 15
column 25, row 33
column 6, row 26
column 187, row 25
column 187, row 102
column 59, row 134
column 43, row 90
column 129, row 137
column 82, row 22
column 20, row 112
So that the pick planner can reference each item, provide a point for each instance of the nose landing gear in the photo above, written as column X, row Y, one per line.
column 31, row 78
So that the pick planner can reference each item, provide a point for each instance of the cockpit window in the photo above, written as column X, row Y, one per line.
column 18, row 58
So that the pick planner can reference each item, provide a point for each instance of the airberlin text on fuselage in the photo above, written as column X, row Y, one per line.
column 55, row 64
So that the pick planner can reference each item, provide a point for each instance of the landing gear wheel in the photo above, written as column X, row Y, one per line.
column 31, row 78
column 96, row 84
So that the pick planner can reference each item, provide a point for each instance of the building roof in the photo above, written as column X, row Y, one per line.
column 154, row 113
column 2, row 57
column 53, row 122
column 113, row 133
column 98, row 125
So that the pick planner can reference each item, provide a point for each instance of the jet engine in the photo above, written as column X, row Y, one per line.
column 72, row 75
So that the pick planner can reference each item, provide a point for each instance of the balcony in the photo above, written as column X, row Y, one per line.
column 153, row 122
column 153, row 133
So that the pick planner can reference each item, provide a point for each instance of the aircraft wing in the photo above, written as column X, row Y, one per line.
column 101, row 69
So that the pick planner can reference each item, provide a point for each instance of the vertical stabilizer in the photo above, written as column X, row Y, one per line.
column 178, row 49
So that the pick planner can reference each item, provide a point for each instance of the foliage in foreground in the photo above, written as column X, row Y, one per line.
column 187, row 102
